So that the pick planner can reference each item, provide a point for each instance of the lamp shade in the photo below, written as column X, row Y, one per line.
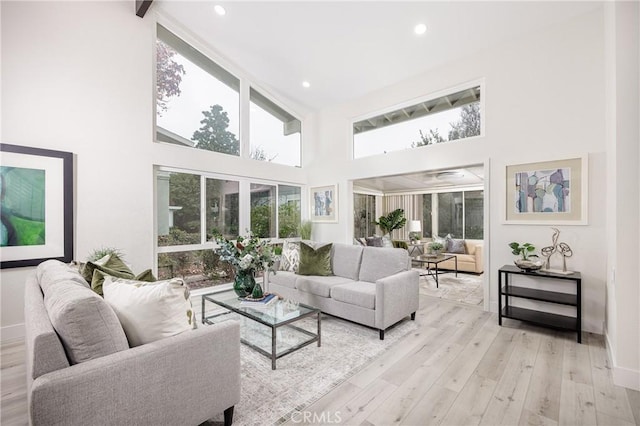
column 415, row 226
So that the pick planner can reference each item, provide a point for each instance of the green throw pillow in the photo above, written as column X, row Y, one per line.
column 315, row 261
column 110, row 262
column 100, row 274
column 146, row 276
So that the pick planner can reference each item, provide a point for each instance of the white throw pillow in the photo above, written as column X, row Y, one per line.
column 150, row 311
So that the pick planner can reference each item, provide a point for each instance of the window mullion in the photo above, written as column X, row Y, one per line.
column 277, row 203
column 245, row 125
column 435, row 207
column 244, row 206
column 203, row 209
column 464, row 214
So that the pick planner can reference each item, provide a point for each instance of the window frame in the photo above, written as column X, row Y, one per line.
column 244, row 217
column 244, row 213
column 245, row 85
column 435, row 206
column 375, row 210
column 415, row 101
column 267, row 103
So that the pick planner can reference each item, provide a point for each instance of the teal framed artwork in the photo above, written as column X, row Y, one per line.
column 36, row 206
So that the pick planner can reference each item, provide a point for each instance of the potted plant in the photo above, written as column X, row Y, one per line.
column 414, row 237
column 529, row 260
column 436, row 248
column 306, row 229
column 389, row 223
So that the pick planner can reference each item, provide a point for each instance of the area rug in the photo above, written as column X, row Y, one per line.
column 465, row 288
column 269, row 397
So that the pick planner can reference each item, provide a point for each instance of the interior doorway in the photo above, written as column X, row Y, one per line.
column 440, row 203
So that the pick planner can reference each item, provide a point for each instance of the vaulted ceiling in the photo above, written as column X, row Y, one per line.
column 346, row 49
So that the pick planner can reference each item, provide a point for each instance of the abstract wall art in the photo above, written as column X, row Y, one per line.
column 549, row 191
column 324, row 203
column 36, row 206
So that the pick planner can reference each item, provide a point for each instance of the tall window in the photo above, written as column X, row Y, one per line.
column 275, row 134
column 263, row 210
column 289, row 214
column 222, row 208
column 186, row 228
column 364, row 215
column 198, row 105
column 197, row 101
column 459, row 214
column 447, row 118
column 473, row 214
column 450, row 214
column 427, row 221
column 178, row 209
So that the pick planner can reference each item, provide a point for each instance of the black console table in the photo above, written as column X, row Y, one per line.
column 546, row 319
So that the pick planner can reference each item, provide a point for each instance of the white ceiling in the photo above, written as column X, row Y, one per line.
column 433, row 180
column 347, row 49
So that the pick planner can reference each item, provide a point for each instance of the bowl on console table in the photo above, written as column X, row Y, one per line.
column 529, row 265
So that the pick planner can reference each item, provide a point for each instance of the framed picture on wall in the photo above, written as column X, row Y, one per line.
column 324, row 203
column 36, row 207
column 547, row 192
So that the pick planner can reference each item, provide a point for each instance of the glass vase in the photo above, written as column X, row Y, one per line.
column 243, row 283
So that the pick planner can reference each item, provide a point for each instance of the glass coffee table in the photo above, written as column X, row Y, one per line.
column 428, row 260
column 269, row 330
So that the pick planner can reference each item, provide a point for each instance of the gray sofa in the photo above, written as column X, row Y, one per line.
column 86, row 374
column 370, row 285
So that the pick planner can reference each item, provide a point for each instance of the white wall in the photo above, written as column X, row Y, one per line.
column 622, row 20
column 544, row 99
column 78, row 77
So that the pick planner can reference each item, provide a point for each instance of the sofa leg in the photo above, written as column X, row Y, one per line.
column 228, row 416
column 381, row 334
column 413, row 316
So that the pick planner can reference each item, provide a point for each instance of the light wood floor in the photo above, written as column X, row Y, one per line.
column 458, row 368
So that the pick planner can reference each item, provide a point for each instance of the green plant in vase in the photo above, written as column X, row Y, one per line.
column 389, row 223
column 247, row 255
column 529, row 261
column 436, row 248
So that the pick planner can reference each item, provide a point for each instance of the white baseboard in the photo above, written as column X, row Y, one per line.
column 621, row 376
column 12, row 332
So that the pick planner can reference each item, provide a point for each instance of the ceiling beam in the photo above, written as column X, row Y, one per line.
column 142, row 6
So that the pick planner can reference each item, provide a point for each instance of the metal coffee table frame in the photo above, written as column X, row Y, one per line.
column 253, row 314
column 427, row 260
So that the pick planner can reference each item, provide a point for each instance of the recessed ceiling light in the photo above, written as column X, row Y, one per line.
column 219, row 10
column 306, row 84
column 420, row 29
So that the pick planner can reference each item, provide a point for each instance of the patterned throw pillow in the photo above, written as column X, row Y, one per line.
column 456, row 247
column 442, row 240
column 360, row 241
column 374, row 241
column 290, row 260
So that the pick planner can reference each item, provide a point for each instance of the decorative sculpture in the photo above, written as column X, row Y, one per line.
column 549, row 250
column 560, row 248
column 565, row 251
